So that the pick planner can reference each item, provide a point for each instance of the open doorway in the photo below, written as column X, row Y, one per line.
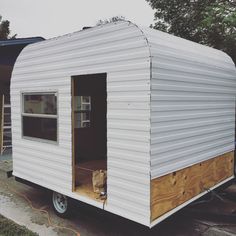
column 89, row 122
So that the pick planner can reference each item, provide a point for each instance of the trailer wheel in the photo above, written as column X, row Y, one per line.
column 61, row 204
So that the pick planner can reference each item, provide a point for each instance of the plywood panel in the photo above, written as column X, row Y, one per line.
column 83, row 178
column 170, row 191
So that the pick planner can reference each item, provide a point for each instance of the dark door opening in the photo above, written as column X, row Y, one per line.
column 89, row 130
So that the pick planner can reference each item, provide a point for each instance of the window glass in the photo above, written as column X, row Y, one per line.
column 82, row 120
column 82, row 103
column 43, row 128
column 39, row 116
column 40, row 104
column 85, row 99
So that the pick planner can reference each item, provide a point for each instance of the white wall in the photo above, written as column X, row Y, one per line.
column 121, row 51
column 192, row 103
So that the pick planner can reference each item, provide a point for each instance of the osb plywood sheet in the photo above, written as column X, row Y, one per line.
column 170, row 191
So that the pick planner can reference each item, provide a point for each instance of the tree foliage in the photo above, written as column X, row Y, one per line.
column 210, row 22
column 112, row 19
column 5, row 29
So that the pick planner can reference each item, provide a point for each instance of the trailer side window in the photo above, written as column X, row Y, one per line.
column 39, row 116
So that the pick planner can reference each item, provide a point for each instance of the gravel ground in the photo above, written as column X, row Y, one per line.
column 89, row 221
column 10, row 228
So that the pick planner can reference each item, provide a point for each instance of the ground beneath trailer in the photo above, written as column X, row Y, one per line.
column 89, row 221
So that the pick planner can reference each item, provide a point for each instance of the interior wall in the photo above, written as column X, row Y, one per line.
column 91, row 143
column 1, row 121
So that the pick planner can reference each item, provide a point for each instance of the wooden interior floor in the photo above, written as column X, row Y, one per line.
column 83, row 178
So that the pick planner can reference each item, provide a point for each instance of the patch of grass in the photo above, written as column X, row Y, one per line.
column 9, row 228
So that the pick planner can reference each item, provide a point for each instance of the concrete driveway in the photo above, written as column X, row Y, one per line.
column 89, row 221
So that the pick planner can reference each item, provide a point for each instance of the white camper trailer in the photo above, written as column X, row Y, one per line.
column 155, row 111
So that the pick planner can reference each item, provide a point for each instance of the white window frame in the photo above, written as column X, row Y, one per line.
column 81, row 111
column 50, row 116
column 83, row 122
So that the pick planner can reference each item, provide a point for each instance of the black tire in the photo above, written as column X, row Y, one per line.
column 61, row 205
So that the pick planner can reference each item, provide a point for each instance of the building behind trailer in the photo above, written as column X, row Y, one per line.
column 9, row 51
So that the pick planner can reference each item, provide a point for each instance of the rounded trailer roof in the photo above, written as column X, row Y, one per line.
column 169, row 43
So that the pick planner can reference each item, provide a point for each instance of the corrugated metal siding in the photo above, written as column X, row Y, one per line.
column 121, row 51
column 192, row 103
column 192, row 108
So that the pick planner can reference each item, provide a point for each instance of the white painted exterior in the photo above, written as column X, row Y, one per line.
column 193, row 91
column 121, row 51
column 152, row 96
